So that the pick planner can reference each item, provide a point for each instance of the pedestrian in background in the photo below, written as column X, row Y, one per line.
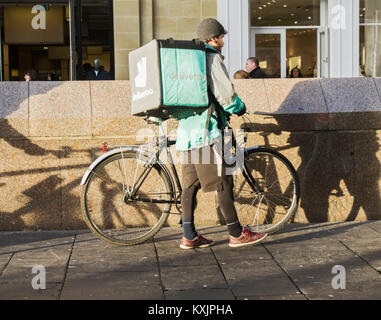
column 296, row 73
column 253, row 68
column 241, row 74
column 30, row 75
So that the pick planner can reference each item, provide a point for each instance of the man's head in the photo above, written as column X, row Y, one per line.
column 251, row 64
column 211, row 32
column 97, row 63
column 241, row 74
column 30, row 75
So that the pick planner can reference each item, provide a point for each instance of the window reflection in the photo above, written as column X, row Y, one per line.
column 370, row 51
column 370, row 11
column 302, row 52
column 268, row 47
column 370, row 42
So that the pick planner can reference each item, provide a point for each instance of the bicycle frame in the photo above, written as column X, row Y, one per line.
column 161, row 142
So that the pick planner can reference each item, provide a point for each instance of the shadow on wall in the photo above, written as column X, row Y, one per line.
column 339, row 171
column 41, row 203
column 41, row 176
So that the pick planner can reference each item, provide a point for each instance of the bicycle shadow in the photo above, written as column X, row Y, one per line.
column 39, row 204
column 339, row 171
column 48, row 169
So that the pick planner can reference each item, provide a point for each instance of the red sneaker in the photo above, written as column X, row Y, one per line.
column 197, row 242
column 247, row 237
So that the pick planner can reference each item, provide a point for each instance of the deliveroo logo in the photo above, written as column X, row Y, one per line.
column 141, row 78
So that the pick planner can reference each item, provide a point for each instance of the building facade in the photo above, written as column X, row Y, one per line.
column 60, row 39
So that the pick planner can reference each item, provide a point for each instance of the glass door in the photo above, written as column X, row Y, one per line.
column 269, row 46
column 323, row 51
column 94, row 38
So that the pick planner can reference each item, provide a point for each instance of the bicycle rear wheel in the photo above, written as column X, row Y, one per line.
column 269, row 207
column 125, row 200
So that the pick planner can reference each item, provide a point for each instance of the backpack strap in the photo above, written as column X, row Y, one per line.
column 208, row 115
column 213, row 101
column 220, row 124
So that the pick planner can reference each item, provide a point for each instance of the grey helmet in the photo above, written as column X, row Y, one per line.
column 209, row 28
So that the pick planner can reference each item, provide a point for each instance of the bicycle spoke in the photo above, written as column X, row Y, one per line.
column 116, row 214
column 281, row 200
column 256, row 214
column 121, row 176
column 105, row 180
column 270, row 209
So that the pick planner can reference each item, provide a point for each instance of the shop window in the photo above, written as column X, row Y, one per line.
column 37, row 38
column 302, row 52
column 268, row 52
column 29, row 35
column 95, row 37
column 370, row 38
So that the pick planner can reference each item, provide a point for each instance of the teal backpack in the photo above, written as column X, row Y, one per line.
column 168, row 79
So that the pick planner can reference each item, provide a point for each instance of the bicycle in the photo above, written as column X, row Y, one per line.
column 127, row 193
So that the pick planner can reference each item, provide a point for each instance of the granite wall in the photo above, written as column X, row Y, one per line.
column 51, row 131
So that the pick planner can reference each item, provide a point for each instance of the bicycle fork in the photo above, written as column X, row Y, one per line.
column 251, row 181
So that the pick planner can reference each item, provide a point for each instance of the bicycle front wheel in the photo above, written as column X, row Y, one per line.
column 126, row 200
column 267, row 204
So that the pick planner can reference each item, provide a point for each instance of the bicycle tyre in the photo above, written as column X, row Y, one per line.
column 272, row 214
column 113, row 219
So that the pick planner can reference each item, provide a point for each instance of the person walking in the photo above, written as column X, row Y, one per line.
column 199, row 135
column 254, row 70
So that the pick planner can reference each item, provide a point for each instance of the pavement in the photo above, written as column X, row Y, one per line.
column 329, row 261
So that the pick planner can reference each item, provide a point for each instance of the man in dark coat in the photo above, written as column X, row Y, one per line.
column 98, row 72
column 254, row 70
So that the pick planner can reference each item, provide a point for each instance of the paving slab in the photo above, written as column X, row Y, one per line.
column 297, row 296
column 4, row 260
column 111, row 286
column 200, row 294
column 369, row 250
column 249, row 278
column 192, row 277
column 24, row 291
column 169, row 253
column 93, row 254
column 296, row 263
column 23, row 240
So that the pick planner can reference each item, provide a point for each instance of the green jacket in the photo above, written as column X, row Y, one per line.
column 191, row 130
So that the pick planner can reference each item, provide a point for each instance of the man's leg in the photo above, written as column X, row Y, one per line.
column 225, row 200
column 188, row 203
column 210, row 180
column 191, row 239
column 238, row 236
column 191, row 184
